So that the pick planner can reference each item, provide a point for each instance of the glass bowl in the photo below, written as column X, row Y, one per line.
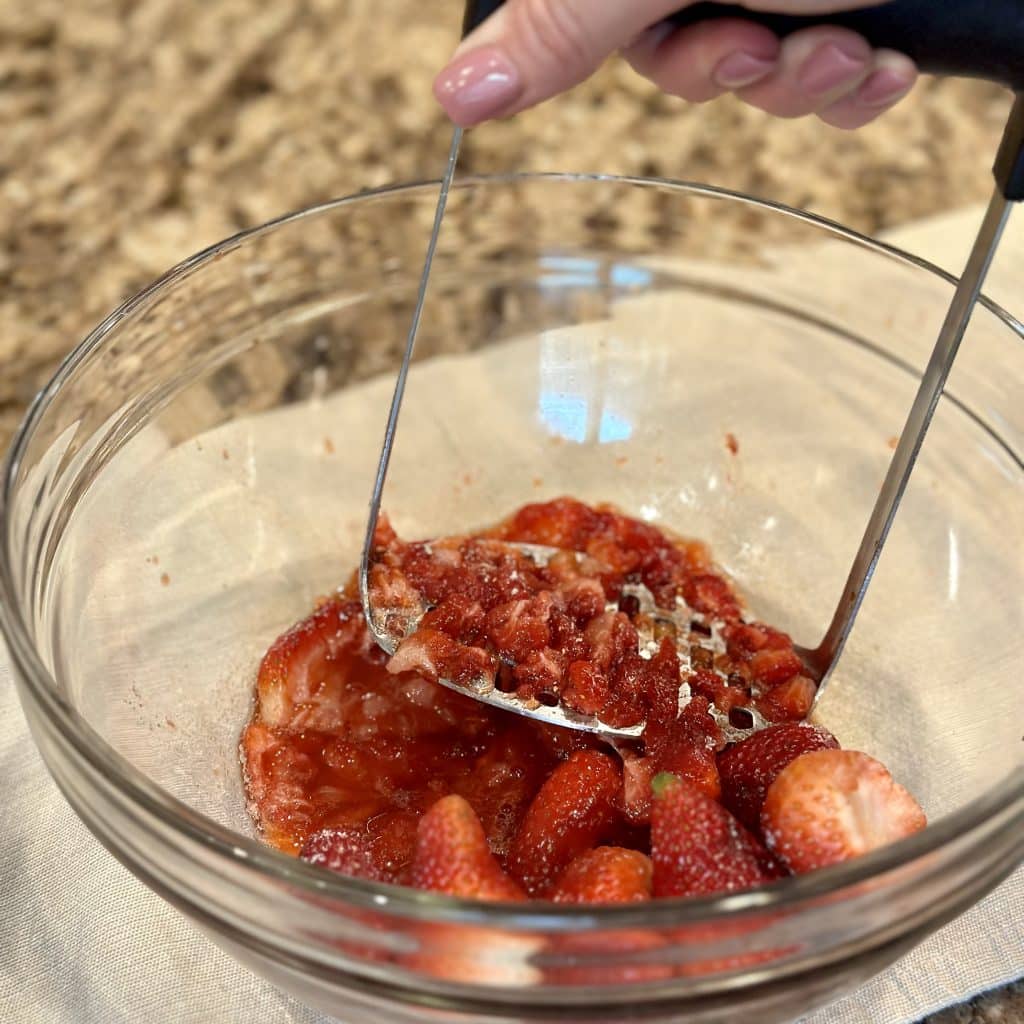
column 198, row 471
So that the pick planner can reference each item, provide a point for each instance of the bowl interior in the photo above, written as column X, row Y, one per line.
column 206, row 466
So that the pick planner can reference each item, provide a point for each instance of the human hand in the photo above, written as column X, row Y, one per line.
column 530, row 50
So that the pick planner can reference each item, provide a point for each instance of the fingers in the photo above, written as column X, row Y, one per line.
column 824, row 70
column 807, row 7
column 707, row 59
column 816, row 68
column 892, row 77
column 530, row 50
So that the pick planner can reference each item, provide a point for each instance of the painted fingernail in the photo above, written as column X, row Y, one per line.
column 828, row 68
column 651, row 38
column 883, row 87
column 478, row 85
column 740, row 69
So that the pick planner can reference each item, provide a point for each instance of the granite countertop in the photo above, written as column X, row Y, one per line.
column 138, row 131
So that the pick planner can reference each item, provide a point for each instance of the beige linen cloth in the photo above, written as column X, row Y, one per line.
column 83, row 942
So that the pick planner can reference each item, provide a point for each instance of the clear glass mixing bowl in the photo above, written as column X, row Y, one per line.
column 199, row 469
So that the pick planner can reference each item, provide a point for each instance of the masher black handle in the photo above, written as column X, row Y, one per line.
column 965, row 38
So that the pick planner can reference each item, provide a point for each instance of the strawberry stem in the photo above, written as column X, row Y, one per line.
column 662, row 781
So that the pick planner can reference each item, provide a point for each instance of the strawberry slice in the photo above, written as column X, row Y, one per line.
column 609, row 874
column 459, row 617
column 434, row 655
column 686, row 746
column 697, row 847
column 561, row 523
column 772, row 667
column 710, row 685
column 752, row 765
column 452, row 855
column 610, row 637
column 275, row 776
column 584, row 598
column 746, row 638
column 302, row 674
column 637, row 773
column 711, row 595
column 789, row 701
column 517, row 628
column 587, row 689
column 345, row 850
column 827, row 806
column 572, row 811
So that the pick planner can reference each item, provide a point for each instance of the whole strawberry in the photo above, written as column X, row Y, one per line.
column 452, row 855
column 573, row 810
column 345, row 850
column 751, row 766
column 609, row 874
column 697, row 847
column 830, row 805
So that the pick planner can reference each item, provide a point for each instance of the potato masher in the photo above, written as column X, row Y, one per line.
column 970, row 38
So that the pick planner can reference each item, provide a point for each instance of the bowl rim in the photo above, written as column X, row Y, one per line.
column 237, row 851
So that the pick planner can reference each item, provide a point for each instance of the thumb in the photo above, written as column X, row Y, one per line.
column 530, row 50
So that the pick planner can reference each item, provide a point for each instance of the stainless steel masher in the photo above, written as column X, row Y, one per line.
column 969, row 38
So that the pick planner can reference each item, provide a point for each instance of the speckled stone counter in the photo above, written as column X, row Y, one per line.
column 138, row 131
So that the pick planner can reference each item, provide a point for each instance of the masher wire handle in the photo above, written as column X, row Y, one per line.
column 1009, row 173
column 965, row 38
column 376, row 496
column 472, row 19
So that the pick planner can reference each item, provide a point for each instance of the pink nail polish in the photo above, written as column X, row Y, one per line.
column 828, row 68
column 883, row 87
column 741, row 69
column 651, row 38
column 478, row 85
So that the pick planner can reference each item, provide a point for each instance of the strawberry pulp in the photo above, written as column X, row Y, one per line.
column 573, row 631
column 348, row 750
